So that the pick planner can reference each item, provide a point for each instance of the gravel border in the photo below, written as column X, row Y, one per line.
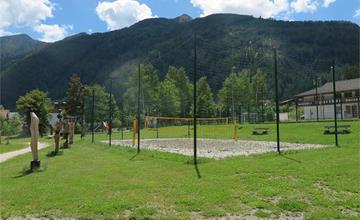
column 215, row 148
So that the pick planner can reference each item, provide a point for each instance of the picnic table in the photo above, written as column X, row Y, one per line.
column 341, row 129
column 260, row 131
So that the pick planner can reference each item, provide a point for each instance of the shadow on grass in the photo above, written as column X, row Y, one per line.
column 54, row 154
column 133, row 157
column 289, row 158
column 197, row 171
column 191, row 162
column 27, row 171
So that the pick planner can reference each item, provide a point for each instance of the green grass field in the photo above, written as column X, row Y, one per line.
column 97, row 181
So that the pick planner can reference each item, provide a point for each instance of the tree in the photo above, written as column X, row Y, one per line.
column 183, row 88
column 38, row 102
column 75, row 94
column 10, row 126
column 149, row 85
column 235, row 92
column 168, row 99
column 259, row 86
column 204, row 100
column 101, row 105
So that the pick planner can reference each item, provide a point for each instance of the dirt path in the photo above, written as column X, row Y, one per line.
column 12, row 154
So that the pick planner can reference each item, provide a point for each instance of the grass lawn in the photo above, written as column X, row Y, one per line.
column 97, row 181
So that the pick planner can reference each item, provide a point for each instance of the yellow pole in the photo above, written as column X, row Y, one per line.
column 145, row 122
column 134, row 131
column 235, row 128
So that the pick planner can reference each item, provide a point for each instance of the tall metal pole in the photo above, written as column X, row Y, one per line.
column 138, row 109
column 232, row 100
column 262, row 107
column 323, row 106
column 316, row 99
column 83, row 119
column 92, row 115
column 358, row 104
column 341, row 107
column 110, row 114
column 277, row 103
column 195, row 109
column 334, row 94
column 296, row 110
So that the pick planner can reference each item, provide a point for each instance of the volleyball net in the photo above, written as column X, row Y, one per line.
column 154, row 127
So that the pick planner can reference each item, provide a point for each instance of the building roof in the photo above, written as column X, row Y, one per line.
column 343, row 85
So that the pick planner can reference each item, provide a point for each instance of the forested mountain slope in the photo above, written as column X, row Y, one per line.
column 225, row 43
column 13, row 48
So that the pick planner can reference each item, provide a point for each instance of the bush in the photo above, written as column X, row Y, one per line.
column 38, row 102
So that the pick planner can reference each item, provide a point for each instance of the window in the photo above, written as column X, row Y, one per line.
column 348, row 94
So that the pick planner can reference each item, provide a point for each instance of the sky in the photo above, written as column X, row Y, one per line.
column 53, row 20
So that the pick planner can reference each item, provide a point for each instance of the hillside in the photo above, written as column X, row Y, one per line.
column 15, row 47
column 224, row 41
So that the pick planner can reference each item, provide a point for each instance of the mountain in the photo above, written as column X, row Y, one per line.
column 15, row 47
column 224, row 42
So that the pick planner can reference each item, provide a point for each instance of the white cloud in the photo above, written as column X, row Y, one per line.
column 24, row 12
column 6, row 33
column 30, row 13
column 357, row 13
column 53, row 32
column 264, row 8
column 327, row 3
column 304, row 6
column 122, row 13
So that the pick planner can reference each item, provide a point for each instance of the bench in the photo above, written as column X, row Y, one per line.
column 341, row 129
column 260, row 131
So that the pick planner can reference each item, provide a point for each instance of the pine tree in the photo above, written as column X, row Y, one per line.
column 75, row 96
column 168, row 99
column 183, row 88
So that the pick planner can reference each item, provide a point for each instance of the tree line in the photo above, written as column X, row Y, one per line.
column 242, row 91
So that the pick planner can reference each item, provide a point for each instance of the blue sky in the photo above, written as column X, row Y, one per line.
column 51, row 20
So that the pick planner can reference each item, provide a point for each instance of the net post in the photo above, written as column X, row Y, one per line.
column 134, row 131
column 110, row 114
column 194, row 100
column 138, row 109
column 157, row 128
column 145, row 122
column 235, row 128
column 122, row 133
column 188, row 122
column 92, row 116
column 277, row 102
column 334, row 94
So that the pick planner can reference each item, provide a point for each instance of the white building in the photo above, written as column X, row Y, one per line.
column 318, row 103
